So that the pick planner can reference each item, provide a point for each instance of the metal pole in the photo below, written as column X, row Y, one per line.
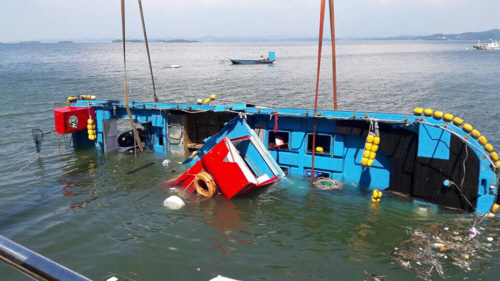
column 34, row 265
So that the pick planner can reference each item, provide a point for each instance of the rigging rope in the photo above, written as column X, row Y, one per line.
column 320, row 45
column 132, row 124
column 147, row 49
column 334, row 54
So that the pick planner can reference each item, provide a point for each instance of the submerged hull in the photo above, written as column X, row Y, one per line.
column 250, row 61
column 423, row 157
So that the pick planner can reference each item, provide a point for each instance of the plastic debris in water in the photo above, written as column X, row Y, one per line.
column 490, row 239
column 472, row 232
column 174, row 202
column 165, row 163
column 112, row 279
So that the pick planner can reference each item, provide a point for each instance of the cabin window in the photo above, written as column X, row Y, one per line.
column 317, row 173
column 278, row 140
column 322, row 141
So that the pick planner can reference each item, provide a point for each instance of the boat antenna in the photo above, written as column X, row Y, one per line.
column 334, row 54
column 320, row 45
column 132, row 124
column 147, row 49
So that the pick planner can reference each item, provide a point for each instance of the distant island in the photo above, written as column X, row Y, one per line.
column 65, row 42
column 482, row 35
column 129, row 40
column 177, row 41
column 30, row 42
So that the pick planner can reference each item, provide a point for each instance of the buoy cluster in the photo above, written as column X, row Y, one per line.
column 371, row 147
column 81, row 97
column 376, row 196
column 468, row 128
column 207, row 100
column 91, row 129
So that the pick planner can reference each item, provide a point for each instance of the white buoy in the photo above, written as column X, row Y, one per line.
column 165, row 163
column 174, row 203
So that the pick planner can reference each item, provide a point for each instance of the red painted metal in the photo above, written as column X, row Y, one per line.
column 72, row 119
column 229, row 176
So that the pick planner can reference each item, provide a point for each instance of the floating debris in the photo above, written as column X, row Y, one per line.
column 374, row 277
column 432, row 245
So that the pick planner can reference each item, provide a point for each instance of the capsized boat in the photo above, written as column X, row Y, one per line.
column 428, row 155
column 270, row 59
column 492, row 45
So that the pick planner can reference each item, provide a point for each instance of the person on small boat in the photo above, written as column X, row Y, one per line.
column 262, row 58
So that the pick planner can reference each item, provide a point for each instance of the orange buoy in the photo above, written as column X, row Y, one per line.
column 205, row 184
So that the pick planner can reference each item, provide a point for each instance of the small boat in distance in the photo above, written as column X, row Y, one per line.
column 270, row 59
column 492, row 45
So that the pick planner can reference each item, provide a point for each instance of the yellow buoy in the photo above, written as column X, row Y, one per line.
column 374, row 200
column 368, row 146
column 199, row 101
column 364, row 161
column 92, row 137
column 497, row 163
column 90, row 127
column 370, row 162
column 475, row 133
column 428, row 111
column 467, row 127
column 438, row 114
column 458, row 121
column 376, row 140
column 448, row 117
column 378, row 200
column 319, row 149
column 370, row 138
column 90, row 121
column 374, row 148
column 495, row 208
column 372, row 155
column 482, row 140
column 418, row 111
column 206, row 101
column 87, row 97
column 91, row 132
column 494, row 156
column 366, row 154
column 212, row 97
column 379, row 194
column 488, row 147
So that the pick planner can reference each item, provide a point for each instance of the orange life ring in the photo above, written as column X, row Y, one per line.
column 205, row 184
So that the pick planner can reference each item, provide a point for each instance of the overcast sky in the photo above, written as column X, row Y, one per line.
column 72, row 19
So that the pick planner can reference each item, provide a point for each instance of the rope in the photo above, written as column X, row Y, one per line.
column 328, row 184
column 334, row 54
column 147, row 49
column 125, row 90
column 320, row 45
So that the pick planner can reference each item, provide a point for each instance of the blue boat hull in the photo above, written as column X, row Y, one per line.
column 419, row 156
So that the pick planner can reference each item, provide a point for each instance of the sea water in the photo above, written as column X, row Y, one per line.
column 80, row 209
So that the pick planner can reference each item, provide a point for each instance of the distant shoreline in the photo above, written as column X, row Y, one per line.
column 493, row 34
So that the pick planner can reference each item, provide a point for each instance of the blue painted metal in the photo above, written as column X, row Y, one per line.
column 433, row 142
column 343, row 160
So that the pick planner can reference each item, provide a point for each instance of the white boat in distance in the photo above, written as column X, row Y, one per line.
column 492, row 45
